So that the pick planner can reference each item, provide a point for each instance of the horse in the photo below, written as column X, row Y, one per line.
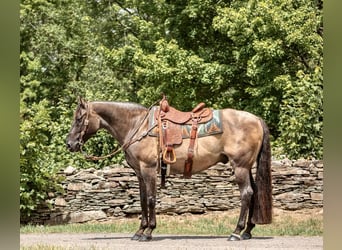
column 244, row 142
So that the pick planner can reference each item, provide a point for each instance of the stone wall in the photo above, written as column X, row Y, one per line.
column 113, row 192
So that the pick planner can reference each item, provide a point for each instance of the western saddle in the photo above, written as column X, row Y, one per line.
column 170, row 133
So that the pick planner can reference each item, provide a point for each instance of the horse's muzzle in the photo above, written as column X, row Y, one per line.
column 73, row 146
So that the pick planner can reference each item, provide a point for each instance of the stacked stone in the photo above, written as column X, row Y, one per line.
column 212, row 189
column 297, row 184
column 113, row 192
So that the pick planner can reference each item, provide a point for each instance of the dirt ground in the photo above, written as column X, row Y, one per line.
column 123, row 241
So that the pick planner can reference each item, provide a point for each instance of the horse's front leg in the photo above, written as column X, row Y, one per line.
column 150, row 178
column 144, row 210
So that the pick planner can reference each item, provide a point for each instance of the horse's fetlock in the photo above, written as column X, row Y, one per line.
column 152, row 225
column 241, row 226
column 143, row 225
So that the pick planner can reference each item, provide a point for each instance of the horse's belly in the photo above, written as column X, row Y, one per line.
column 207, row 152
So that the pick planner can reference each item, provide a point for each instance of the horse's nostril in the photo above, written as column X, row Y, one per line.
column 68, row 145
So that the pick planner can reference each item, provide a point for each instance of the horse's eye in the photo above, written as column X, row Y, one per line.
column 79, row 119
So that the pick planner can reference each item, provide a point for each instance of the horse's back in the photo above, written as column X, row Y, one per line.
column 238, row 116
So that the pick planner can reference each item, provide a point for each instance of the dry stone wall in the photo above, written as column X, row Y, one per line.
column 113, row 192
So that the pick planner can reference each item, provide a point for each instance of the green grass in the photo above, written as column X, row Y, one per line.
column 115, row 227
column 212, row 224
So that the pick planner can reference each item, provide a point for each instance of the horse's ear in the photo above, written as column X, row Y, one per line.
column 82, row 102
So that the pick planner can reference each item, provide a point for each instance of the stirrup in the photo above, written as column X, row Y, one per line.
column 172, row 156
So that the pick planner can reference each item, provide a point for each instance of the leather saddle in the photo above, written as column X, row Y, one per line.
column 171, row 114
column 170, row 133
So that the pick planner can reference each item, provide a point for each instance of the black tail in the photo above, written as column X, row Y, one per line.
column 262, row 213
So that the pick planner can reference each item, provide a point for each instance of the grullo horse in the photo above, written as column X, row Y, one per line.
column 244, row 142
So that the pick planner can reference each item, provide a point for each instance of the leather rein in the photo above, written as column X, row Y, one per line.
column 124, row 147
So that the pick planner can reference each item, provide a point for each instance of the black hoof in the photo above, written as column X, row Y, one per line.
column 136, row 237
column 234, row 237
column 246, row 236
column 145, row 238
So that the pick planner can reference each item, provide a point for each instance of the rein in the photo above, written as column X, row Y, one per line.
column 96, row 158
column 125, row 146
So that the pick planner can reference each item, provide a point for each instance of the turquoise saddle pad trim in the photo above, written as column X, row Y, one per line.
column 214, row 126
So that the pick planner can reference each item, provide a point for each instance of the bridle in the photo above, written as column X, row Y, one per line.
column 84, row 125
column 124, row 147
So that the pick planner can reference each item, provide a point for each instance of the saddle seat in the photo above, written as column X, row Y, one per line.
column 199, row 113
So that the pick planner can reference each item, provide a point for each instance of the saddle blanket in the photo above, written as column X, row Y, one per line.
column 214, row 126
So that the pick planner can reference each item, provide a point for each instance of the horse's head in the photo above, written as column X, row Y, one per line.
column 85, row 124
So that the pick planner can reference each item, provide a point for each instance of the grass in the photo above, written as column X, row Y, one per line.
column 218, row 223
column 120, row 226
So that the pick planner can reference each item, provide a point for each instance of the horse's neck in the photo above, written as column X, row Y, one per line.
column 119, row 119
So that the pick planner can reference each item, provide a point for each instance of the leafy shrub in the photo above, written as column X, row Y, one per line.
column 301, row 116
column 37, row 173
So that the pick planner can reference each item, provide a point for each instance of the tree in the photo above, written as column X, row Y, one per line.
column 278, row 46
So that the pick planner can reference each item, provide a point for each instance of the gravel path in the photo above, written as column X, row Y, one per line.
column 162, row 242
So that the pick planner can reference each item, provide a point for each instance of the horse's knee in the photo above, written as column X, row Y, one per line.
column 151, row 200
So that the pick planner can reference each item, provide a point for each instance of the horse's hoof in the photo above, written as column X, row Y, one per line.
column 246, row 236
column 145, row 238
column 136, row 237
column 234, row 237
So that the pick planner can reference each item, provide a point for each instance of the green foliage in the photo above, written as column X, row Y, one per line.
column 173, row 68
column 37, row 175
column 272, row 41
column 260, row 56
column 302, row 111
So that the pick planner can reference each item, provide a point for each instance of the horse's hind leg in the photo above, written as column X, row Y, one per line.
column 247, row 233
column 242, row 176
